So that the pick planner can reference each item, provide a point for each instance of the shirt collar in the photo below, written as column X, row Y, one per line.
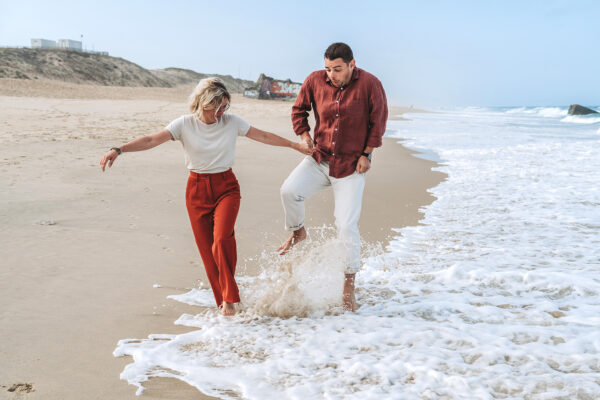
column 355, row 76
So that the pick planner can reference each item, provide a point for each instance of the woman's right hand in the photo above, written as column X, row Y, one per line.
column 109, row 158
column 139, row 144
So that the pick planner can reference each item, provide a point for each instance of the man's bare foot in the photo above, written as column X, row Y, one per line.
column 348, row 299
column 228, row 309
column 296, row 237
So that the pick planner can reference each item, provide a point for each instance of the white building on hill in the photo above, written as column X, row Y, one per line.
column 43, row 44
column 66, row 44
column 69, row 44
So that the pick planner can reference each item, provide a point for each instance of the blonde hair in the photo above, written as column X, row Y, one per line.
column 209, row 92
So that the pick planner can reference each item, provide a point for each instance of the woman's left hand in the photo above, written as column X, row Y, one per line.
column 303, row 147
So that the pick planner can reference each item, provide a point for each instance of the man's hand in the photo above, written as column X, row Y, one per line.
column 363, row 165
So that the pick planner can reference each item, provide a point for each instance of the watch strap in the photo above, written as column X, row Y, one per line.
column 368, row 155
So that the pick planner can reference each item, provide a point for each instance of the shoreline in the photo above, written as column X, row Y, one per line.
column 396, row 113
column 89, row 278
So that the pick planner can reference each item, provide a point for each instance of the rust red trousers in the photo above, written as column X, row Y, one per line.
column 213, row 202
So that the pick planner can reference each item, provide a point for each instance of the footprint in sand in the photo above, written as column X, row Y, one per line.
column 22, row 388
column 163, row 236
column 168, row 250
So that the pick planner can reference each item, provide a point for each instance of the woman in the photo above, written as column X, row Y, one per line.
column 208, row 136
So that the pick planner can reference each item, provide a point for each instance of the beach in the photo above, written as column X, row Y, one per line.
column 89, row 258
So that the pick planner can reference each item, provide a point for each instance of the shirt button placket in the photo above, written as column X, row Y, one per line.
column 337, row 120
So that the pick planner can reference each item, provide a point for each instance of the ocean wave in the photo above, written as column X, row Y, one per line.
column 541, row 111
column 474, row 108
column 519, row 110
column 581, row 119
column 552, row 112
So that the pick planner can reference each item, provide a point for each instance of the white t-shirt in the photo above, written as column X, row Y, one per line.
column 209, row 148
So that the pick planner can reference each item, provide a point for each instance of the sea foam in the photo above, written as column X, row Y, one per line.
column 541, row 111
column 582, row 119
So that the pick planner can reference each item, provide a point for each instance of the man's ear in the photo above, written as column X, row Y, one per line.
column 352, row 63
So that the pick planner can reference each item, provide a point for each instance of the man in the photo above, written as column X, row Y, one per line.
column 350, row 110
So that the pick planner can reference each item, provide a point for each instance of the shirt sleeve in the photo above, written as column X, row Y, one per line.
column 242, row 126
column 301, row 108
column 176, row 128
column 378, row 114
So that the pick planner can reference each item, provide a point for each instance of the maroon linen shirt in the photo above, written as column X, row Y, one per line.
column 347, row 119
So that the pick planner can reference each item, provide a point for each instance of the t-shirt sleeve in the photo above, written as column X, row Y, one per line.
column 242, row 126
column 176, row 128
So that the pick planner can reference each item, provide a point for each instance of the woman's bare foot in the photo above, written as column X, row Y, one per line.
column 228, row 309
column 348, row 299
column 296, row 237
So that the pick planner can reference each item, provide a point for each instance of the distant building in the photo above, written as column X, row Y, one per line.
column 43, row 44
column 66, row 44
column 270, row 88
column 251, row 92
column 69, row 44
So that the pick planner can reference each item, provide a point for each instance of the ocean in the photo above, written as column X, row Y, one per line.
column 496, row 295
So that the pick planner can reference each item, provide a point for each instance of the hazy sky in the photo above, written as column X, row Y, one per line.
column 426, row 53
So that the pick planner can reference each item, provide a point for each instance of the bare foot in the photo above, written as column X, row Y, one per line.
column 348, row 299
column 228, row 309
column 296, row 237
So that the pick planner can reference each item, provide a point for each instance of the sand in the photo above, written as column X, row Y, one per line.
column 81, row 250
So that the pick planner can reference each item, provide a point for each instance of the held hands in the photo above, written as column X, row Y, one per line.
column 306, row 145
column 303, row 147
column 109, row 158
column 363, row 165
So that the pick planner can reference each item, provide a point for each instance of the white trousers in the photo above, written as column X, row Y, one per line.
column 307, row 179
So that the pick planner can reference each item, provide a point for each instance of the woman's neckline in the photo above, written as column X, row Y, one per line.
column 213, row 124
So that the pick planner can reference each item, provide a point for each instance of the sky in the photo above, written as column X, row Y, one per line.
column 426, row 53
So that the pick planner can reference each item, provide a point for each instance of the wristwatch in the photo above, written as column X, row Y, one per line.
column 118, row 150
column 368, row 155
